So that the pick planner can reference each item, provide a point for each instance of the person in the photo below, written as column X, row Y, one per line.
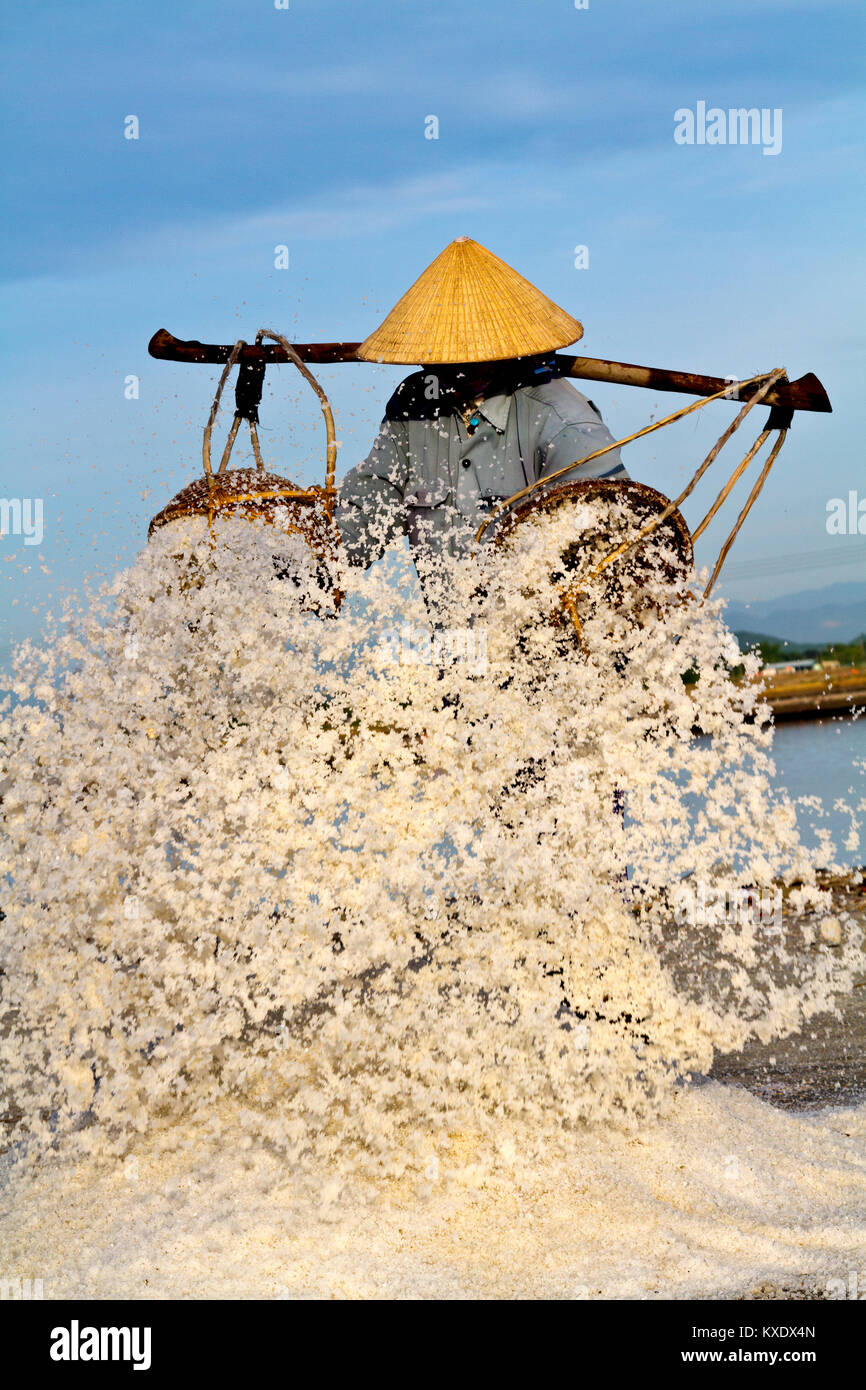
column 486, row 415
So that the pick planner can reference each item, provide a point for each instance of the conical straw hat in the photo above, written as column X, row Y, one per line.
column 469, row 306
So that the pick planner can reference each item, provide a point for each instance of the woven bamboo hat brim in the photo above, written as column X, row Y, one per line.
column 469, row 306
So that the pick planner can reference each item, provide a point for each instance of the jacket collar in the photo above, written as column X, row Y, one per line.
column 514, row 377
column 495, row 409
column 511, row 376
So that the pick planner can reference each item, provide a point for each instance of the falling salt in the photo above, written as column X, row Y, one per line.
column 283, row 801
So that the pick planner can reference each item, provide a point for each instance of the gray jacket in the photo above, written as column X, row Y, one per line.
column 433, row 476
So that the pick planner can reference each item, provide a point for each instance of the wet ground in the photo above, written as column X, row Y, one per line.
column 825, row 1064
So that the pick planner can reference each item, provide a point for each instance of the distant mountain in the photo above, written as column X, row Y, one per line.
column 836, row 613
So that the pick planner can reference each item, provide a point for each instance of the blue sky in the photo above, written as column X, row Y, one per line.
column 305, row 126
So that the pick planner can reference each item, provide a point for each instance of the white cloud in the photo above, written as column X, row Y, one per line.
column 348, row 211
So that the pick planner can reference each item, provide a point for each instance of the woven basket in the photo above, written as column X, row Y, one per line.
column 574, row 590
column 252, row 494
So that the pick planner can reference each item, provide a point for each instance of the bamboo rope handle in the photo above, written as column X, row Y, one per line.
column 331, row 454
column 254, row 436
column 230, row 444
column 208, row 429
column 731, row 484
column 638, row 434
column 751, row 499
column 690, row 487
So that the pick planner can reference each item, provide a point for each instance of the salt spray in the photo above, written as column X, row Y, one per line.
column 369, row 918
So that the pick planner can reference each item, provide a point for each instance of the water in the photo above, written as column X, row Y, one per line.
column 820, row 758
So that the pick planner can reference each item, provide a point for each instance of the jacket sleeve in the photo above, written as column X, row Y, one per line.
column 369, row 510
column 572, row 443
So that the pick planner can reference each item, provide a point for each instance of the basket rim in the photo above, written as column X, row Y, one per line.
column 589, row 487
column 203, row 496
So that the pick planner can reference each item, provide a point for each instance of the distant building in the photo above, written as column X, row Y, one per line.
column 805, row 663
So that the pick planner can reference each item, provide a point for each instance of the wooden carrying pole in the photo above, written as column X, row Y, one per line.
column 806, row 393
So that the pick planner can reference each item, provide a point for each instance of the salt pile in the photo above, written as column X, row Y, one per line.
column 322, row 925
column 724, row 1196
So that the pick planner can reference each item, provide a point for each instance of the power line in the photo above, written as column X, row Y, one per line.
column 796, row 560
